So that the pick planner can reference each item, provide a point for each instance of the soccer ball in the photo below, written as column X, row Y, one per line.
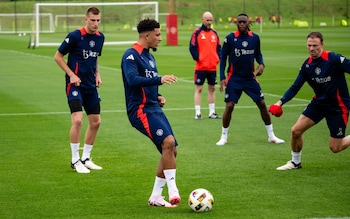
column 200, row 200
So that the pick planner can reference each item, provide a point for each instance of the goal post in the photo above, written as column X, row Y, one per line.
column 117, row 20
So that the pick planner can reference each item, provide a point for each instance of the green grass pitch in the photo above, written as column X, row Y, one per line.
column 36, row 180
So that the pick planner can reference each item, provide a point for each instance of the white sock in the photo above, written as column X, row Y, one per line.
column 158, row 186
column 170, row 175
column 211, row 108
column 75, row 151
column 296, row 157
column 224, row 133
column 198, row 109
column 86, row 152
column 270, row 133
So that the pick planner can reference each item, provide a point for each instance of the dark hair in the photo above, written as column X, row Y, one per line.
column 315, row 35
column 93, row 10
column 147, row 25
column 243, row 14
column 249, row 22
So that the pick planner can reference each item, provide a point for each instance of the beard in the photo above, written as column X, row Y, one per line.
column 154, row 49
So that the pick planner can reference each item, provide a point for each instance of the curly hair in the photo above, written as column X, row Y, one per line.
column 147, row 25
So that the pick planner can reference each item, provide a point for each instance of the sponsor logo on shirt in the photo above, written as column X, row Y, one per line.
column 150, row 73
column 89, row 53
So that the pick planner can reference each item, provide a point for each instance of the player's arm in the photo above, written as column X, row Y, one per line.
column 223, row 58
column 130, row 70
column 276, row 108
column 74, row 79
column 259, row 59
column 344, row 63
column 98, row 76
column 194, row 46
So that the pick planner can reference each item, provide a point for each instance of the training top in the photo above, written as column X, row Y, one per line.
column 205, row 48
column 83, row 49
column 141, row 80
column 326, row 77
column 241, row 49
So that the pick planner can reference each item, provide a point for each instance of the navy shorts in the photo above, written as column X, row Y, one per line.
column 336, row 117
column 236, row 86
column 88, row 97
column 200, row 76
column 154, row 125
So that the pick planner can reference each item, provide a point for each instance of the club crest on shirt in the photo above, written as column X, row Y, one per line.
column 92, row 43
column 317, row 71
column 244, row 43
column 151, row 63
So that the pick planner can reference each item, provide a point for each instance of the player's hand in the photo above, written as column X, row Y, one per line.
column 98, row 80
column 75, row 80
column 222, row 85
column 276, row 110
column 259, row 70
column 161, row 101
column 168, row 79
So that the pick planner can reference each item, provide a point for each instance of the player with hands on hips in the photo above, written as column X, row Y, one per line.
column 324, row 72
column 242, row 48
column 143, row 104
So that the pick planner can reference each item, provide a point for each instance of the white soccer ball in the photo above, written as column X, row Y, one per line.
column 200, row 200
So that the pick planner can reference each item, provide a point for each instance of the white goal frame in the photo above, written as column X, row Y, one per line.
column 36, row 41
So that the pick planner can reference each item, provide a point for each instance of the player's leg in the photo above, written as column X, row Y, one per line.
column 74, row 134
column 156, row 198
column 303, row 123
column 226, row 120
column 337, row 121
column 211, row 78
column 233, row 92
column 199, row 78
column 267, row 121
column 338, row 144
column 168, row 160
column 94, row 118
column 253, row 90
column 166, row 145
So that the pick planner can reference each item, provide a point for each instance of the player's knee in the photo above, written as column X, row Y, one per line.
column 169, row 144
column 296, row 133
column 335, row 146
column 77, row 122
column 96, row 123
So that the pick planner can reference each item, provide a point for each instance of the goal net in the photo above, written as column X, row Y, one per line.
column 23, row 22
column 118, row 21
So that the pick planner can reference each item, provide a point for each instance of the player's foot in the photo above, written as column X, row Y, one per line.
column 79, row 167
column 91, row 165
column 221, row 142
column 198, row 117
column 174, row 198
column 289, row 166
column 214, row 116
column 276, row 140
column 160, row 202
